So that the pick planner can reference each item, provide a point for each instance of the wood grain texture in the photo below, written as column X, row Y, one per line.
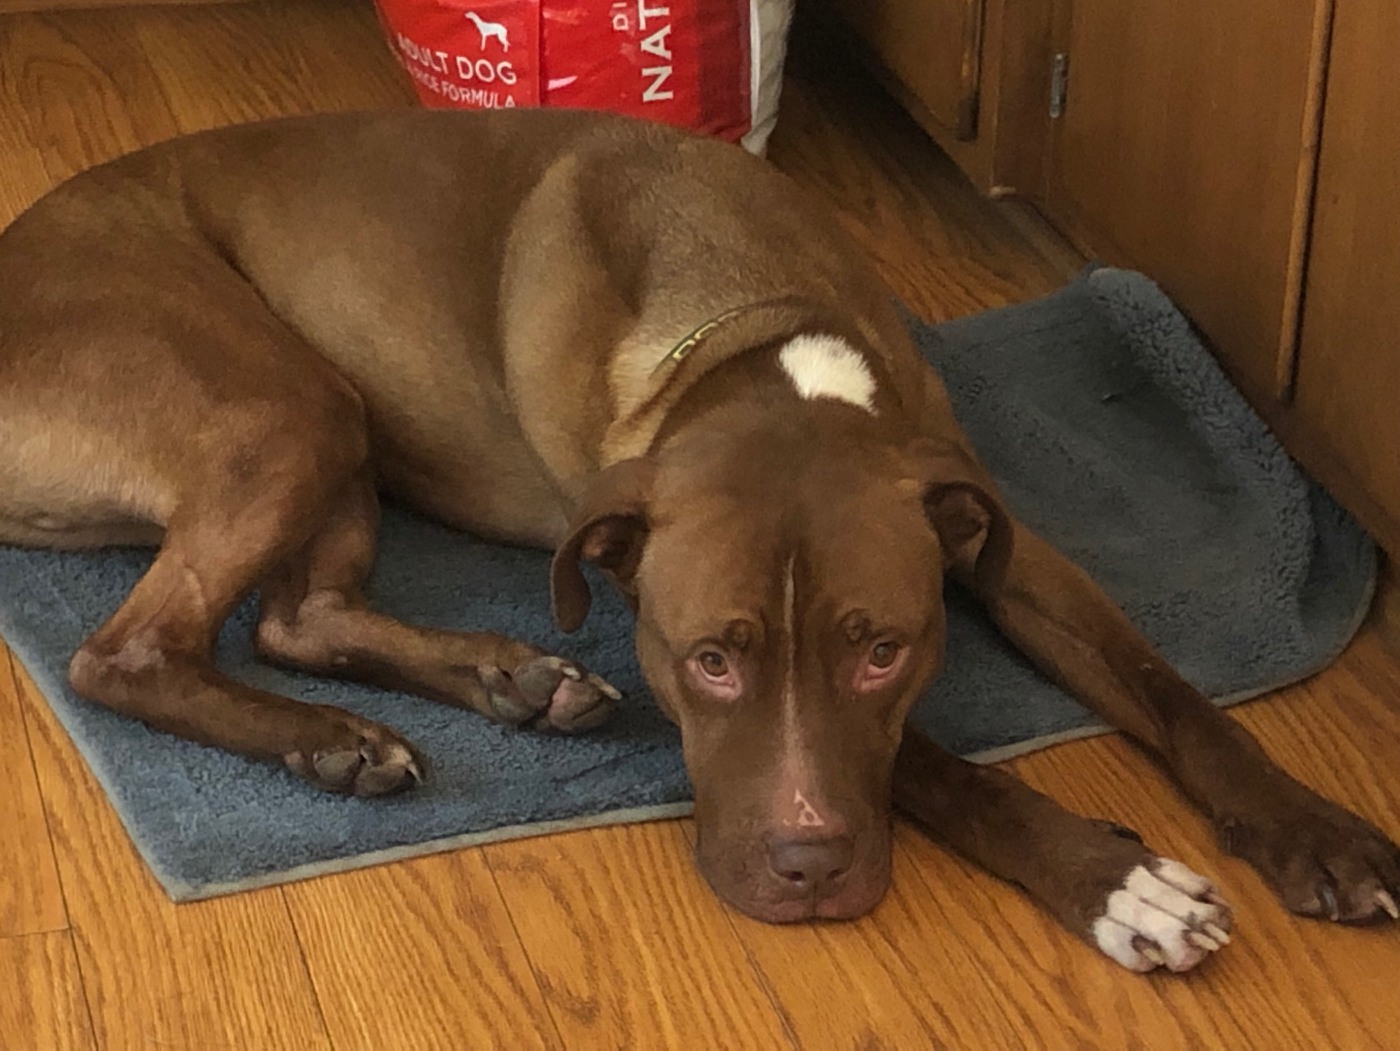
column 609, row 938
column 630, row 946
column 926, row 45
column 42, row 1004
column 1181, row 151
column 80, row 88
column 222, row 973
column 422, row 954
column 1348, row 367
column 31, row 899
column 989, row 114
column 72, row 94
column 291, row 58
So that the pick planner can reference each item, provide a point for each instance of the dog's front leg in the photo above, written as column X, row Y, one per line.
column 1322, row 860
column 315, row 617
column 1142, row 910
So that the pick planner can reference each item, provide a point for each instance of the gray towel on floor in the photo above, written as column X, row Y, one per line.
column 1113, row 433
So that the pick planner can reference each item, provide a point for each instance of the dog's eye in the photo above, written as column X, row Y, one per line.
column 713, row 664
column 883, row 654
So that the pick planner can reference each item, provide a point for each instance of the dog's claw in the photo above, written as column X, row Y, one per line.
column 606, row 688
column 1328, row 897
column 1324, row 861
column 1201, row 940
column 1220, row 935
column 1159, row 917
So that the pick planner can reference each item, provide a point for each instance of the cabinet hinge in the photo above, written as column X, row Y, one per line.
column 1059, row 84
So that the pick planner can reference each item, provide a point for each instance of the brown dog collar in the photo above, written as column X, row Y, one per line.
column 698, row 335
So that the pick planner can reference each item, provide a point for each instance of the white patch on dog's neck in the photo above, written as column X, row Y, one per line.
column 828, row 367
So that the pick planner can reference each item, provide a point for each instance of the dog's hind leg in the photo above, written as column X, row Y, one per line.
column 154, row 658
column 143, row 380
column 315, row 617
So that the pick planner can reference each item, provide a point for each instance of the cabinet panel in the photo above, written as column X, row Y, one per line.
column 1185, row 150
column 1348, row 386
column 934, row 47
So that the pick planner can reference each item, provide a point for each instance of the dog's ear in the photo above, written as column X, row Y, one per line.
column 609, row 530
column 962, row 505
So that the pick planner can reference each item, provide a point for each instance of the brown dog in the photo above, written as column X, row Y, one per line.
column 641, row 349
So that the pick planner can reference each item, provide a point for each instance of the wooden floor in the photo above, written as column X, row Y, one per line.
column 608, row 938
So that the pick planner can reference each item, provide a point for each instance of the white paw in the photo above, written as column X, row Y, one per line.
column 1164, row 915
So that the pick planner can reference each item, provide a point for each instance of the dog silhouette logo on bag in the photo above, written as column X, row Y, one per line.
column 489, row 31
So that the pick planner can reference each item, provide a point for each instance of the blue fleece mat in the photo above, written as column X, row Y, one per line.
column 1113, row 433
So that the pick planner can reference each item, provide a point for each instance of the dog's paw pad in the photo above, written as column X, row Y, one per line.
column 1163, row 915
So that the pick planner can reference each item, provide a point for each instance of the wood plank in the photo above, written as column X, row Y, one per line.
column 42, row 1006
column 65, row 82
column 290, row 58
column 421, row 954
column 1183, row 152
column 31, row 898
column 630, row 946
column 1348, row 369
column 221, row 973
column 80, row 88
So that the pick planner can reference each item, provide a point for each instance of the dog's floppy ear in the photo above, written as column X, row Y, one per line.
column 609, row 530
column 965, row 511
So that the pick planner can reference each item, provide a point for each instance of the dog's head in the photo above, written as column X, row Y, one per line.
column 789, row 613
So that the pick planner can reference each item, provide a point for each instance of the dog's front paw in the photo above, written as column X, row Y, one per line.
column 356, row 757
column 1322, row 860
column 550, row 693
column 1163, row 915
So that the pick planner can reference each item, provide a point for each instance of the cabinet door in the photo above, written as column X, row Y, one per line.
column 934, row 48
column 1184, row 150
column 1348, row 387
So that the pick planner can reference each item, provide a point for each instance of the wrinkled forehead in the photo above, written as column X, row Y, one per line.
column 766, row 560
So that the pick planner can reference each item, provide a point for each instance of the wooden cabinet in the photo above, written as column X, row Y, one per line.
column 1244, row 155
column 934, row 48
column 972, row 72
column 1348, row 385
column 1184, row 150
column 1247, row 157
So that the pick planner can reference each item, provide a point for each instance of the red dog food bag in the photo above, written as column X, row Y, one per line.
column 714, row 66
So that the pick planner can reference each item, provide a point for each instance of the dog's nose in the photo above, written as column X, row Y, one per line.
column 810, row 865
